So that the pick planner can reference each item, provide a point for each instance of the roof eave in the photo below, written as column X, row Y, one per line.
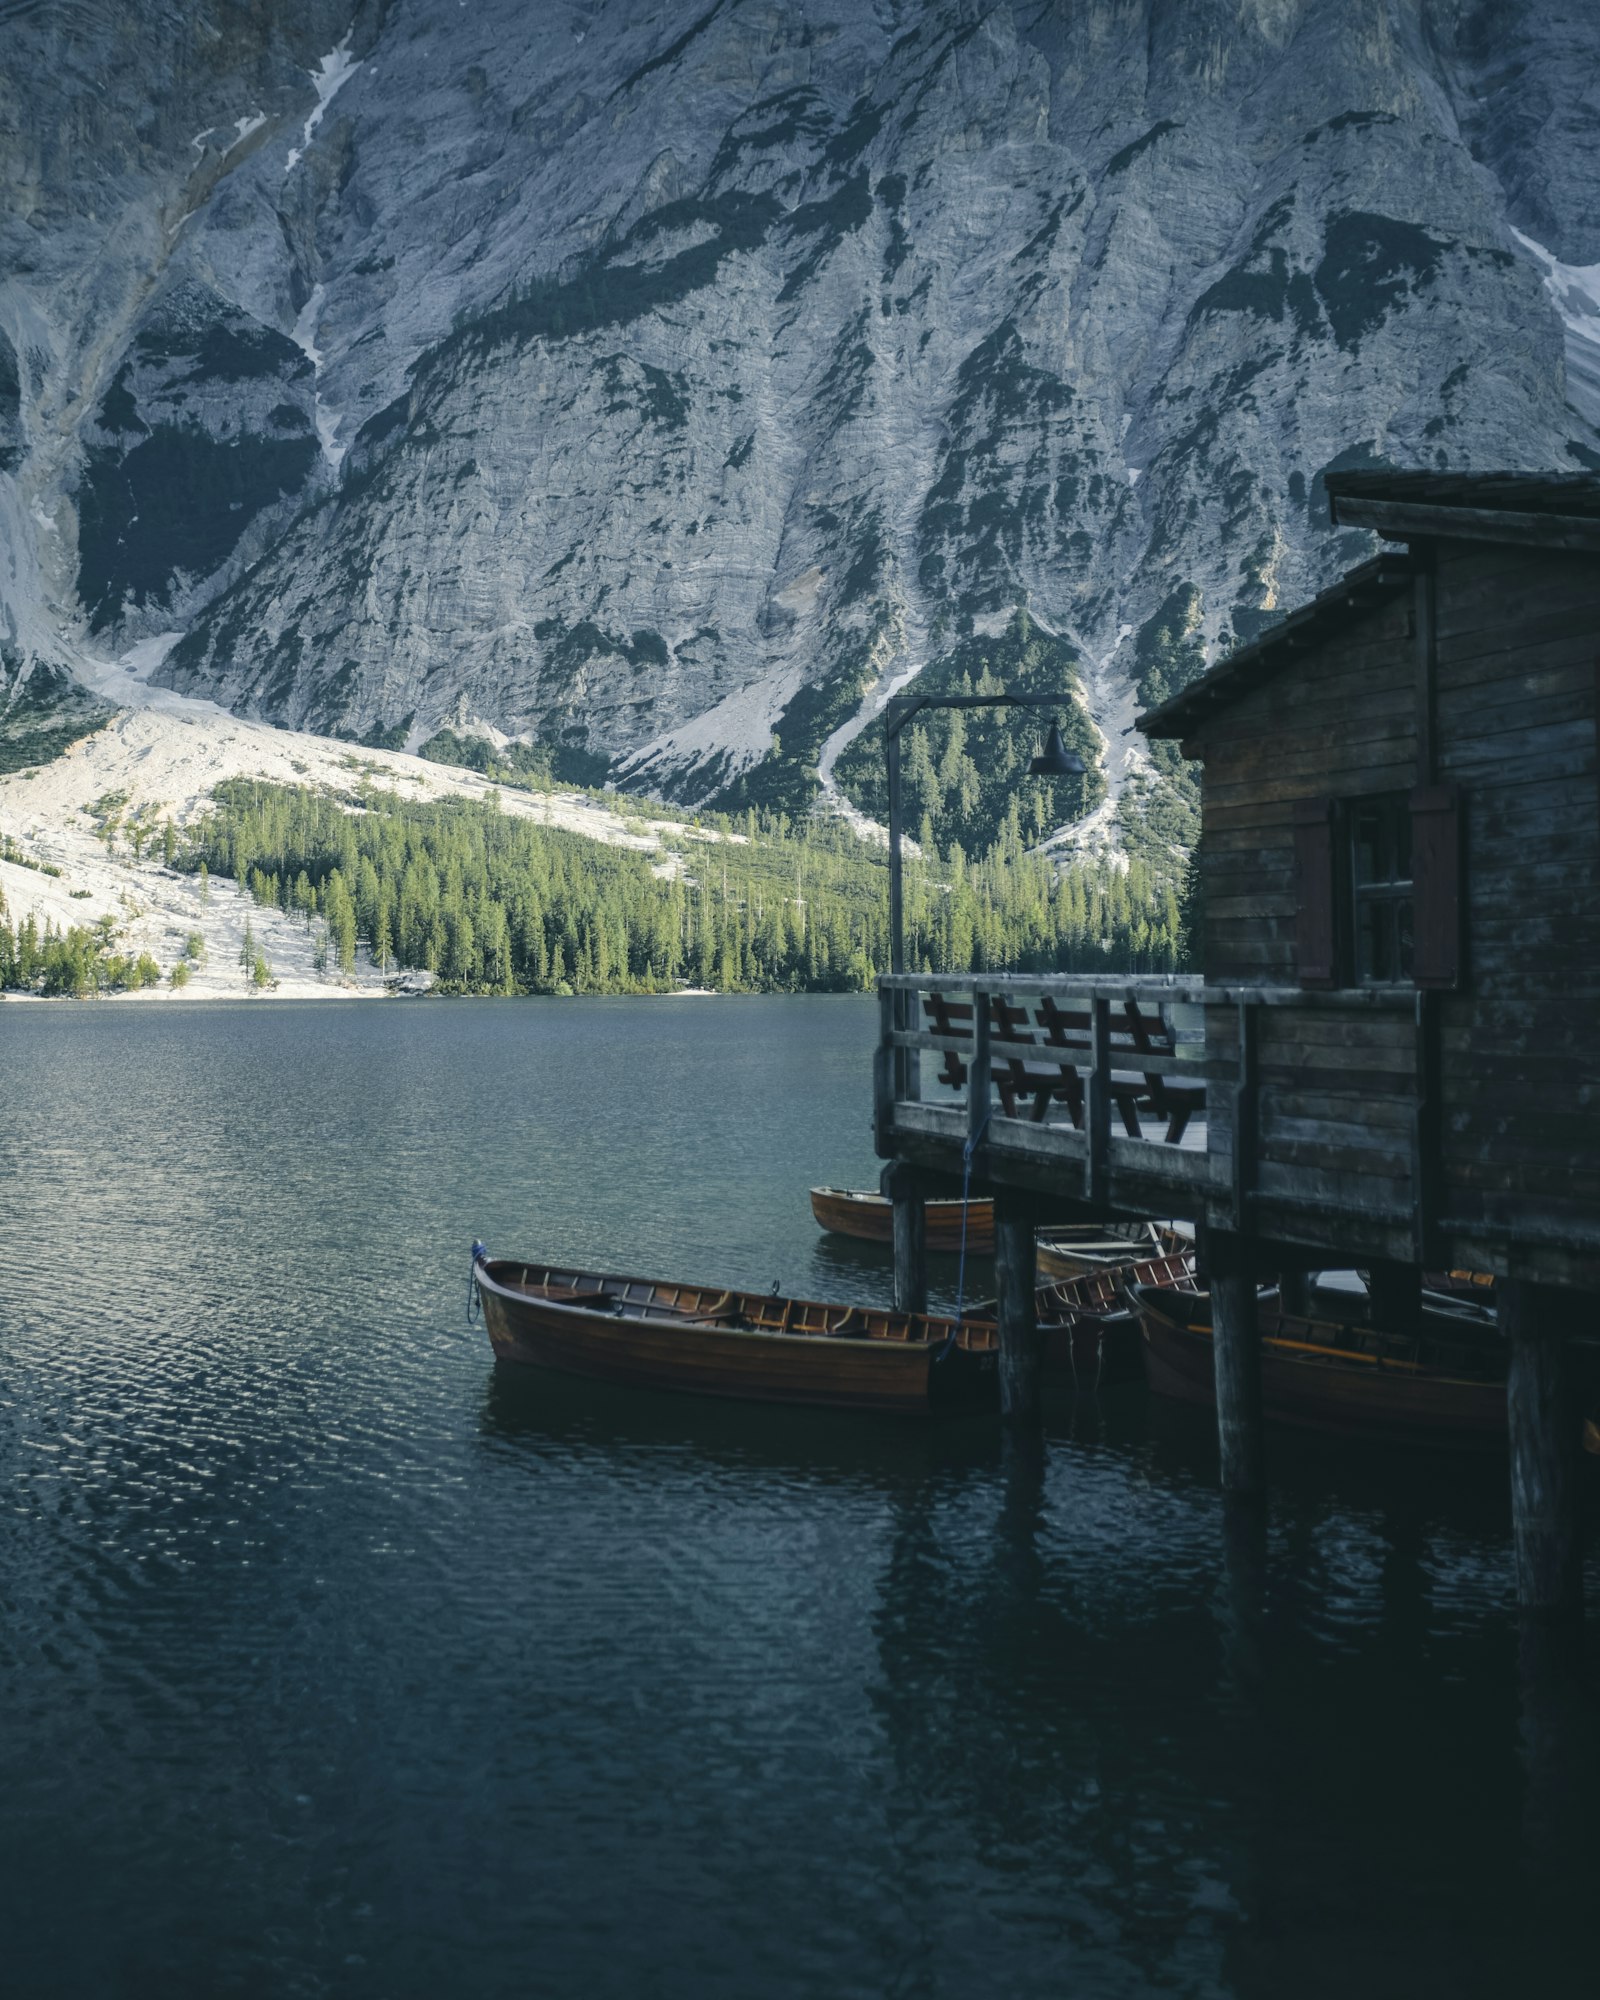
column 1415, row 520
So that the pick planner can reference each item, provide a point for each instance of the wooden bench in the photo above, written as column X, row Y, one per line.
column 1073, row 1029
column 1011, row 1077
column 1016, row 1080
column 1176, row 1099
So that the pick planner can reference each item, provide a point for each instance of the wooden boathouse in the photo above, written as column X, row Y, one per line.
column 1392, row 1059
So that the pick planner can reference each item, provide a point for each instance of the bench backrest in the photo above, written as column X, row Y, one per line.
column 1150, row 1032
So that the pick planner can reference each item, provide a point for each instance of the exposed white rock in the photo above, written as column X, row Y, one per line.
column 160, row 758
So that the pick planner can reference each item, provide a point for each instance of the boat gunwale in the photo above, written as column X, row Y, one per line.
column 1308, row 1351
column 869, row 1199
column 1121, row 1279
column 930, row 1342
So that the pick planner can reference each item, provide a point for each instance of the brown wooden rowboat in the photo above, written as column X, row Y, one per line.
column 711, row 1341
column 1091, row 1331
column 870, row 1219
column 1435, row 1389
column 1076, row 1251
column 1066, row 1252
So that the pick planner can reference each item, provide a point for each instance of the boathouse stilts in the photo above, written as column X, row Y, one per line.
column 910, row 1243
column 1236, row 1357
column 1542, row 1416
column 1020, row 1356
column 1295, row 1291
column 1396, row 1294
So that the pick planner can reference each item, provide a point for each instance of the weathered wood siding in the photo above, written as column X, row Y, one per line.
column 1334, row 1109
column 1518, row 647
column 1342, row 722
column 1336, row 1086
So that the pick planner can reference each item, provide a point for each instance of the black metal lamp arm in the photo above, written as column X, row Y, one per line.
column 899, row 713
column 895, row 717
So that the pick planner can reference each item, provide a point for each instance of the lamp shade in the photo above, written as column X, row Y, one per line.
column 1055, row 760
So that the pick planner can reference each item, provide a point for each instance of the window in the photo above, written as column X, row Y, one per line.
column 1380, row 887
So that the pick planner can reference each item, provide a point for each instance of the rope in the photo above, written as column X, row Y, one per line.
column 473, row 1302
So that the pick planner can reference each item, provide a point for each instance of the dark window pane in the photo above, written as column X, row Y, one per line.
column 1380, row 884
column 1368, row 942
column 1381, row 840
column 1369, row 844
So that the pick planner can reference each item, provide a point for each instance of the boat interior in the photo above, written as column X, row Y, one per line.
column 1101, row 1292
column 741, row 1312
column 1444, row 1343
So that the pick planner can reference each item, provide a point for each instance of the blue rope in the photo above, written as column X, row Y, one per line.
column 967, row 1152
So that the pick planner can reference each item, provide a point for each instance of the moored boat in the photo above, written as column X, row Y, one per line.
column 1099, row 1246
column 1091, row 1330
column 713, row 1341
column 869, row 1217
column 1442, row 1386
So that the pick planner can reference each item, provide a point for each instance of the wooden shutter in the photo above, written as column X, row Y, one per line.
column 1315, row 938
column 1436, row 885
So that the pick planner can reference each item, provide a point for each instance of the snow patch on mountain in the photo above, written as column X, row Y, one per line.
column 1575, row 288
column 327, row 79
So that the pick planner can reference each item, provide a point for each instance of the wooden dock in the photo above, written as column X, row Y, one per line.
column 1392, row 1060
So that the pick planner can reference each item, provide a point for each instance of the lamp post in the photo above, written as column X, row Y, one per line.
column 1054, row 761
column 1013, row 1225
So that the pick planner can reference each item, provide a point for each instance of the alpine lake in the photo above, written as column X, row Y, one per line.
column 335, row 1661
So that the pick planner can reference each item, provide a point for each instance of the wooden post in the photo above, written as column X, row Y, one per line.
column 910, row 1243
column 1427, row 1156
column 1294, row 1292
column 1246, row 1117
column 1542, row 1416
column 1236, row 1357
column 1019, row 1332
column 1097, row 1159
column 1395, row 1292
column 885, row 1067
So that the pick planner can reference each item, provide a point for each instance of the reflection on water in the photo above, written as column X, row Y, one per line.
column 335, row 1660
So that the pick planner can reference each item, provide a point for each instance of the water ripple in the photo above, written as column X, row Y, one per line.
column 335, row 1660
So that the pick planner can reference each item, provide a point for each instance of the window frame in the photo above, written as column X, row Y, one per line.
column 1328, row 901
column 1386, row 895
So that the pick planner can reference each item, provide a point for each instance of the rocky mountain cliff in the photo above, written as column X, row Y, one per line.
column 658, row 382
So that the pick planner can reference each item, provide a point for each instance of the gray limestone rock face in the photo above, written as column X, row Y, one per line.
column 197, row 455
column 656, row 384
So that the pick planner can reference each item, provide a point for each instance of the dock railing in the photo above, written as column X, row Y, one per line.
column 1297, row 1101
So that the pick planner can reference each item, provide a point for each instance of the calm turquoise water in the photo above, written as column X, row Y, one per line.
column 332, row 1662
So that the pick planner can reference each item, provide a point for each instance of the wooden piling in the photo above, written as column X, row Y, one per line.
column 1395, row 1293
column 1542, row 1417
column 910, row 1245
column 1236, row 1357
column 1295, row 1292
column 1020, row 1357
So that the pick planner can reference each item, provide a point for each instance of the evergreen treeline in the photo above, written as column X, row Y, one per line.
column 492, row 903
column 80, row 960
column 964, row 772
